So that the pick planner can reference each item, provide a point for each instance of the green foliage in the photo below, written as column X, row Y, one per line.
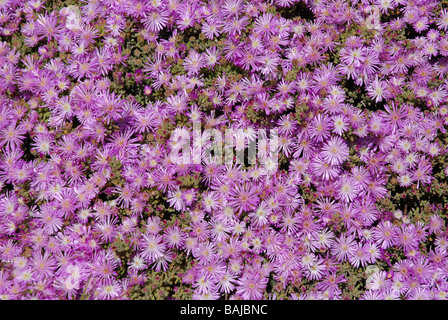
column 167, row 284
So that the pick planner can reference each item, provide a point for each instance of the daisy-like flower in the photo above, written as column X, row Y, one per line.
column 189, row 196
column 211, row 29
column 244, row 197
column 212, row 56
column 289, row 223
column 324, row 239
column 442, row 20
column 251, row 286
column 219, row 230
column 347, row 188
column 204, row 284
column 377, row 90
column 359, row 257
column 156, row 20
column 324, row 169
column 153, row 247
column 405, row 179
column 44, row 264
column 205, row 251
column 194, row 62
column 153, row 225
column 343, row 247
column 340, row 124
column 210, row 201
column 435, row 224
column 125, row 195
column 103, row 265
column 106, row 229
column 231, row 8
column 269, row 62
column 265, row 24
column 68, row 286
column 335, row 151
column 176, row 200
column 110, row 289
column 50, row 218
column 226, row 283
column 372, row 295
column 319, row 128
column 12, row 135
column 174, row 237
column 315, row 270
column 399, row 166
column 406, row 238
column 47, row 26
column 422, row 172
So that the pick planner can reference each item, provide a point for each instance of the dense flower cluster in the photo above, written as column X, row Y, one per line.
column 93, row 198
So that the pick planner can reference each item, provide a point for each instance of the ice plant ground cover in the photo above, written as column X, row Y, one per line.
column 345, row 102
